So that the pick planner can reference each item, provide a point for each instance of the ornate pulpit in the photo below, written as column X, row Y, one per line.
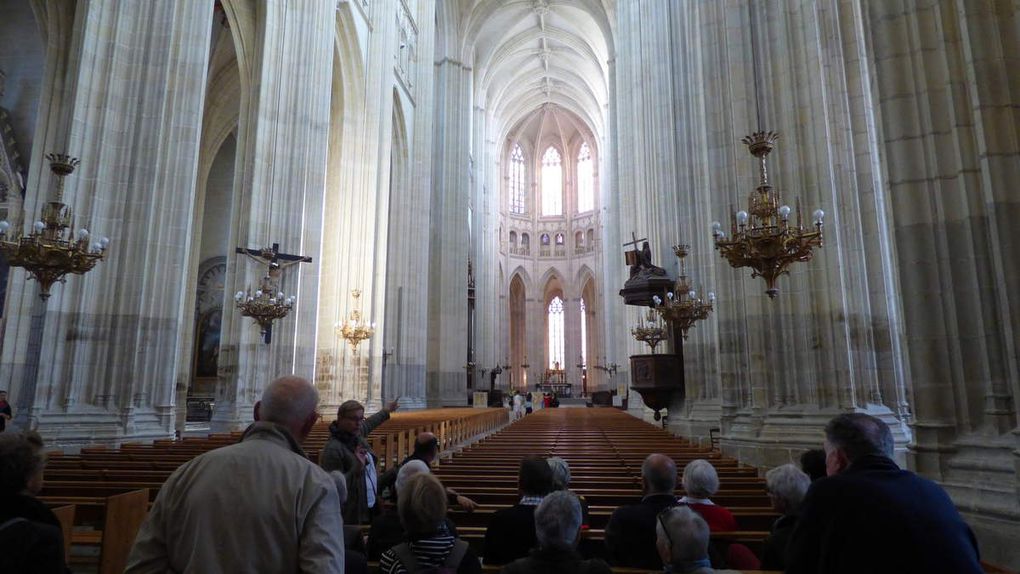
column 658, row 378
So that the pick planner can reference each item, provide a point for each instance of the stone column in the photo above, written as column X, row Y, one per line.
column 946, row 92
column 406, row 325
column 285, row 55
column 123, row 91
column 448, row 255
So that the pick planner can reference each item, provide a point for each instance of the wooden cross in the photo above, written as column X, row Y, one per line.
column 630, row 257
column 271, row 257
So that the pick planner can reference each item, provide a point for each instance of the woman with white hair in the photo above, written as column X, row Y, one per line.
column 701, row 481
column 558, row 529
column 787, row 486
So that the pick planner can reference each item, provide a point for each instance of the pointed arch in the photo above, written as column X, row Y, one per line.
column 584, row 274
column 521, row 272
column 551, row 279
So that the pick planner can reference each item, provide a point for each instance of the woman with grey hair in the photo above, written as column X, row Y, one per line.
column 561, row 481
column 30, row 533
column 787, row 486
column 701, row 481
column 557, row 528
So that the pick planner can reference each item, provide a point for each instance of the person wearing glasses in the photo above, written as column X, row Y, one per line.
column 681, row 538
column 348, row 451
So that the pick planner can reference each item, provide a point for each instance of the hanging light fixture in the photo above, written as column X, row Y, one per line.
column 649, row 330
column 355, row 330
column 763, row 237
column 45, row 253
column 683, row 307
column 265, row 306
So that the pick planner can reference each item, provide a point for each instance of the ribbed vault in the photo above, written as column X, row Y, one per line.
column 527, row 53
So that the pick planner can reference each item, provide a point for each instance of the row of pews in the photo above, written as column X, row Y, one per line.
column 102, row 495
column 605, row 449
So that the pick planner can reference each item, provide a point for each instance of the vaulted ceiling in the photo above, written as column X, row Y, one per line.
column 526, row 53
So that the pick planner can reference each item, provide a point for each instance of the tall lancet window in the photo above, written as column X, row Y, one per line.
column 518, row 181
column 585, row 180
column 552, row 182
column 584, row 334
column 556, row 344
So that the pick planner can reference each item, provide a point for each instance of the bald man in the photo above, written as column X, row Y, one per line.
column 630, row 534
column 256, row 506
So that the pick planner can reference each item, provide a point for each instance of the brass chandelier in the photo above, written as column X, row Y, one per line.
column 683, row 307
column 763, row 238
column 265, row 305
column 649, row 330
column 45, row 253
column 355, row 330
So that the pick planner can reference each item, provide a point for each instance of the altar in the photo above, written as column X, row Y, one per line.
column 555, row 381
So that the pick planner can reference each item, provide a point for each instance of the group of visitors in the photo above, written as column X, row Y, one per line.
column 262, row 506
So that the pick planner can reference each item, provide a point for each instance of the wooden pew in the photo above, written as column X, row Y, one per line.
column 121, row 515
column 65, row 514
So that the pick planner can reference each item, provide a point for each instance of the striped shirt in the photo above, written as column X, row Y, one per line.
column 531, row 500
column 430, row 552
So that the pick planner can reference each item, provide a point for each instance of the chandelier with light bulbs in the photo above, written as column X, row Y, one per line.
column 45, row 253
column 266, row 304
column 683, row 307
column 355, row 330
column 763, row 237
column 649, row 330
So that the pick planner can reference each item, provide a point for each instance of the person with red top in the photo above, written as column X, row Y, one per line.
column 700, row 482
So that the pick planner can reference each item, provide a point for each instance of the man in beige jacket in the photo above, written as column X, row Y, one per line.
column 256, row 506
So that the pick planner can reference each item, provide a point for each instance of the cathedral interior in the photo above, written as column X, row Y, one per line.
column 443, row 197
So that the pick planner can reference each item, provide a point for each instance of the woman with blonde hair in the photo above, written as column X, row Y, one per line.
column 421, row 504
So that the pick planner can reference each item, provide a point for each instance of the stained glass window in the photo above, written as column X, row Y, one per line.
column 518, row 182
column 556, row 342
column 584, row 334
column 552, row 182
column 585, row 180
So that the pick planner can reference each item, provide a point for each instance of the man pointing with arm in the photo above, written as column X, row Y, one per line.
column 348, row 451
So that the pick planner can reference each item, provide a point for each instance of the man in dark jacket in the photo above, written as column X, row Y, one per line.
column 348, row 451
column 511, row 531
column 630, row 534
column 871, row 516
